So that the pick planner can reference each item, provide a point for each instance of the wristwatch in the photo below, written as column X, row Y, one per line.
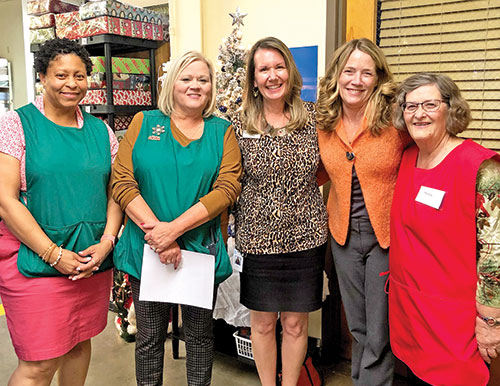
column 490, row 321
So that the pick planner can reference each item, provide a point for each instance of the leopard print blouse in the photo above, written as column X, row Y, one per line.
column 280, row 208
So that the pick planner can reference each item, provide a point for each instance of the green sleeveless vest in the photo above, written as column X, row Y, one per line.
column 172, row 178
column 67, row 174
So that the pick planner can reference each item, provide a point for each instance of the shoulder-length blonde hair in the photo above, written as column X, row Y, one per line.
column 253, row 107
column 179, row 64
column 379, row 108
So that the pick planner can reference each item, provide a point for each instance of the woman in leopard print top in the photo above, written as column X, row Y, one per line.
column 281, row 221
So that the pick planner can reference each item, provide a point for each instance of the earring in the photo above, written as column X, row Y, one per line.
column 255, row 92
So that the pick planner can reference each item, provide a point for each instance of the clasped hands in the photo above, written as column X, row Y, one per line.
column 161, row 237
column 83, row 264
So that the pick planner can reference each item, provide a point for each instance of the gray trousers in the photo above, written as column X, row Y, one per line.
column 358, row 264
column 152, row 324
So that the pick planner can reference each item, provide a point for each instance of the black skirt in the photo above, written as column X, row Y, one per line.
column 283, row 282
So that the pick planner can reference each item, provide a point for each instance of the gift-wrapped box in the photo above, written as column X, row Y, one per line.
column 43, row 21
column 149, row 31
column 38, row 36
column 124, row 11
column 120, row 98
column 39, row 7
column 120, row 81
column 105, row 25
column 122, row 65
column 68, row 25
column 121, row 122
column 158, row 32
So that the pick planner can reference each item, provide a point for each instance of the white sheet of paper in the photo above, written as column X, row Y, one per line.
column 192, row 283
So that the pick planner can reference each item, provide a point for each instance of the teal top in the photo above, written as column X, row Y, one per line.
column 67, row 175
column 172, row 178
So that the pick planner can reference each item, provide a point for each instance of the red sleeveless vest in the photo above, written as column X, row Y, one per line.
column 432, row 306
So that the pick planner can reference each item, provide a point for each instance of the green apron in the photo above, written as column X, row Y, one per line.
column 172, row 178
column 67, row 174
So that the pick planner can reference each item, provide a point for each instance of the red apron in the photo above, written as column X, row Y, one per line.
column 432, row 306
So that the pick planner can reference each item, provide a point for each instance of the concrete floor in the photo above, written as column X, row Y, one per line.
column 112, row 364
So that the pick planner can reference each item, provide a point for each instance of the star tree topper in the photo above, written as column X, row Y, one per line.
column 238, row 17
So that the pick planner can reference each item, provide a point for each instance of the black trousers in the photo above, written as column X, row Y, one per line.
column 152, row 325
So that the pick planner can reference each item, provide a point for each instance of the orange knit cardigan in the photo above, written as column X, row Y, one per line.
column 376, row 159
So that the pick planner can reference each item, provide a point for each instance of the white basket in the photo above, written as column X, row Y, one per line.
column 243, row 346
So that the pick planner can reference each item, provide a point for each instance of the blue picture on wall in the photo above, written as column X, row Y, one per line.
column 306, row 59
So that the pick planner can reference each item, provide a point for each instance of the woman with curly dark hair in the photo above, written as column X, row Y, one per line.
column 58, row 225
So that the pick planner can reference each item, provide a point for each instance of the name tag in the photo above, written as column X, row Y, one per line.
column 238, row 260
column 248, row 135
column 430, row 197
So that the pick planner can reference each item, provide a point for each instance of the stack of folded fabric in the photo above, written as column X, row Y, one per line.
column 42, row 17
column 131, row 82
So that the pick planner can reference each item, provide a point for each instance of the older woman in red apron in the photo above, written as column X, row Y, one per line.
column 444, row 304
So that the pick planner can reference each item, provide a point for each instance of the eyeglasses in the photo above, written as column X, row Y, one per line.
column 428, row 106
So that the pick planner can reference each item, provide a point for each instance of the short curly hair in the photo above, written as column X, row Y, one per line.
column 459, row 115
column 52, row 48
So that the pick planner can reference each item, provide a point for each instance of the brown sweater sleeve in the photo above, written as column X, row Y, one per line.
column 125, row 187
column 227, row 187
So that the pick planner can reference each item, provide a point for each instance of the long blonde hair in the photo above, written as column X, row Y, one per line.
column 379, row 108
column 253, row 107
column 179, row 64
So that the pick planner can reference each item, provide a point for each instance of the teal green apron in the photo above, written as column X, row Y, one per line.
column 67, row 174
column 172, row 178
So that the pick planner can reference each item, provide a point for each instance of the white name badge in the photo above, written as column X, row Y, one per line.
column 248, row 135
column 430, row 196
column 238, row 260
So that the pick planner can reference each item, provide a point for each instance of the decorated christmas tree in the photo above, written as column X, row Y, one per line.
column 231, row 76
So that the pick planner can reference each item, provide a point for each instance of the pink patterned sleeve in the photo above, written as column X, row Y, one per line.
column 113, row 142
column 12, row 135
column 12, row 142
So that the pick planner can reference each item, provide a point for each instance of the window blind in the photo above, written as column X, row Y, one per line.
column 459, row 38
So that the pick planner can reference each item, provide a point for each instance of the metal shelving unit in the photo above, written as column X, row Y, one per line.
column 108, row 45
column 6, row 97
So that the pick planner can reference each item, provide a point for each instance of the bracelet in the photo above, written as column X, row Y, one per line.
column 110, row 238
column 49, row 253
column 490, row 321
column 49, row 249
column 59, row 255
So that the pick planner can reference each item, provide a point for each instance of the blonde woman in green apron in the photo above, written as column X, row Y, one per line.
column 58, row 225
column 177, row 169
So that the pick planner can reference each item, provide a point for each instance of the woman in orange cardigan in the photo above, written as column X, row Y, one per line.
column 361, row 152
